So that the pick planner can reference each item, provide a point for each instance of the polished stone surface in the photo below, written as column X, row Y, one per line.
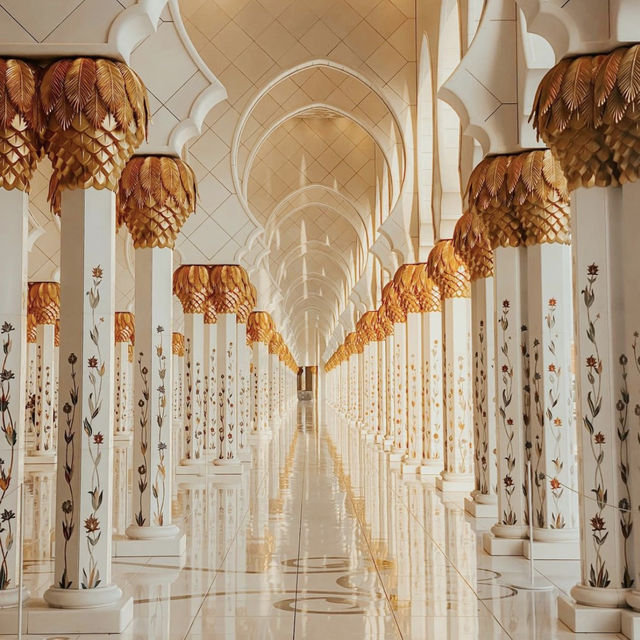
column 320, row 538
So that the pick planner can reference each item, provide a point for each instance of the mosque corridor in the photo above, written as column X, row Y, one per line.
column 323, row 538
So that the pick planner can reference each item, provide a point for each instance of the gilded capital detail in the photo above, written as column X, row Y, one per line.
column 260, row 327
column 471, row 242
column 448, row 271
column 156, row 196
column 97, row 115
column 522, row 199
column 43, row 302
column 124, row 327
column 392, row 305
column 32, row 329
column 192, row 286
column 229, row 286
column 587, row 110
column 21, row 123
column 177, row 344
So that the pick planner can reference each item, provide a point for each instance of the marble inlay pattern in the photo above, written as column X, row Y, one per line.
column 298, row 546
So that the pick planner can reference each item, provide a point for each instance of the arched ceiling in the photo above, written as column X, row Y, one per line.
column 308, row 137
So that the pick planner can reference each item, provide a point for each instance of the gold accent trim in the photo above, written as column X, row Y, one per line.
column 391, row 301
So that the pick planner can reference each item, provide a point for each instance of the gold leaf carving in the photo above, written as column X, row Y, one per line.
column 124, row 327
column 177, row 344
column 471, row 242
column 43, row 301
column 448, row 271
column 192, row 286
column 156, row 196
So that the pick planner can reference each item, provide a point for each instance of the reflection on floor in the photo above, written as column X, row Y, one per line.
column 321, row 539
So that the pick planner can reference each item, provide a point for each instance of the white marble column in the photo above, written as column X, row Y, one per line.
column 229, row 285
column 260, row 329
column 85, row 456
column 192, row 286
column 152, row 442
column 415, row 396
column 13, row 373
column 212, row 413
column 274, row 346
column 177, row 403
column 451, row 276
column 512, row 395
column 124, row 337
column 484, row 499
column 31, row 380
column 553, row 435
column 433, row 402
column 44, row 303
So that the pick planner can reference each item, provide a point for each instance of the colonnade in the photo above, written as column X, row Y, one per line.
column 117, row 394
column 531, row 356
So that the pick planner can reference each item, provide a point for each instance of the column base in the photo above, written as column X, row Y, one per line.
column 431, row 467
column 76, row 599
column 582, row 619
column 150, row 541
column 480, row 510
column 368, row 436
column 395, row 455
column 42, row 619
column 454, row 483
column 410, row 468
column 45, row 458
column 387, row 444
column 378, row 439
column 630, row 624
column 190, row 467
column 9, row 599
column 227, row 467
column 496, row 546
column 561, row 550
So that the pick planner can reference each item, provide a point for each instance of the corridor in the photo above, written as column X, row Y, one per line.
column 322, row 539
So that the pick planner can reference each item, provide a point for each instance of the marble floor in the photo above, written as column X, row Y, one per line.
column 320, row 538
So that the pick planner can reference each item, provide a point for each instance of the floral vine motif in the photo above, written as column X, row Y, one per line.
column 539, row 478
column 435, row 389
column 554, row 372
column 158, row 490
column 526, row 410
column 622, row 407
column 481, row 424
column 465, row 446
column 67, row 507
column 199, row 401
column 143, row 425
column 97, row 370
column 188, row 390
column 9, row 430
column 212, row 400
column 509, row 516
column 230, row 400
column 598, row 572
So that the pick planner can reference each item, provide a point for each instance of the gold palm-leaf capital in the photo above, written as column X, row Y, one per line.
column 156, row 195
column 192, row 286
column 43, row 301
column 97, row 115
column 448, row 271
column 229, row 287
column 125, row 324
column 177, row 344
column 260, row 327
column 471, row 242
column 21, row 123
